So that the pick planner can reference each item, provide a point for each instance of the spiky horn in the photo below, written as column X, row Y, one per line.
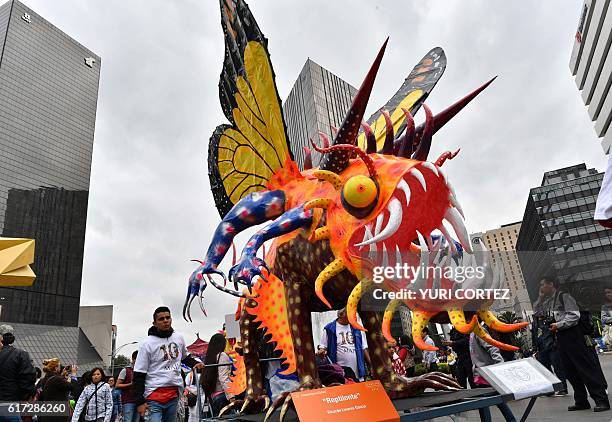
column 352, row 148
column 307, row 159
column 370, row 138
column 347, row 134
column 425, row 142
column 408, row 138
column 389, row 134
column 451, row 111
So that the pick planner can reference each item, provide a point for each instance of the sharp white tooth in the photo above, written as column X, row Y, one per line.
column 398, row 256
column 438, row 257
column 395, row 220
column 416, row 173
column 430, row 166
column 451, row 189
column 367, row 234
column 436, row 283
column 379, row 221
column 442, row 173
column 424, row 259
column 454, row 218
column 422, row 242
column 449, row 239
column 385, row 261
column 404, row 186
column 436, row 245
column 456, row 204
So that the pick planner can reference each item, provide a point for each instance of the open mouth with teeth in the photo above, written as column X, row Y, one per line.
column 422, row 207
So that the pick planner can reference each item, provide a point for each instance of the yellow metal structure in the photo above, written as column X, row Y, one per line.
column 16, row 255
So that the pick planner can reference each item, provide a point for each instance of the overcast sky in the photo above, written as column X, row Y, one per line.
column 150, row 207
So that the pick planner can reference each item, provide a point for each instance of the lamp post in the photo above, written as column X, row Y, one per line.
column 115, row 354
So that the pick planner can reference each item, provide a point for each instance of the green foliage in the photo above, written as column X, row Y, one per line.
column 508, row 317
column 121, row 361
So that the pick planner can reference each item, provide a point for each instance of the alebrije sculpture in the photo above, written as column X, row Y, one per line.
column 374, row 193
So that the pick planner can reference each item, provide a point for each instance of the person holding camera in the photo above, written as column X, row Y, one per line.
column 576, row 348
column 544, row 341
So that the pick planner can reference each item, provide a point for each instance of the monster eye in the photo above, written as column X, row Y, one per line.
column 359, row 195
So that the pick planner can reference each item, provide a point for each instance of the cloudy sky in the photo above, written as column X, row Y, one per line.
column 150, row 208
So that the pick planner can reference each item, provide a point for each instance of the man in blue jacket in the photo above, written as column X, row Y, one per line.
column 345, row 346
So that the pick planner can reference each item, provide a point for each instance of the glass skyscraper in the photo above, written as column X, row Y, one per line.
column 558, row 236
column 318, row 100
column 48, row 101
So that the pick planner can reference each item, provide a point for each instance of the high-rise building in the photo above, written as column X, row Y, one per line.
column 591, row 63
column 501, row 242
column 48, row 101
column 318, row 100
column 559, row 238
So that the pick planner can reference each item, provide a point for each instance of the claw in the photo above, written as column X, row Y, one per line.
column 223, row 289
column 245, row 404
column 197, row 284
column 269, row 413
column 285, row 407
column 267, row 403
column 277, row 403
column 229, row 407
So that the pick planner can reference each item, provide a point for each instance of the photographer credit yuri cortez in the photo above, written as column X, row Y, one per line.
column 433, row 275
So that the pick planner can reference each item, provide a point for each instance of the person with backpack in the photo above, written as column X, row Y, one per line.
column 96, row 400
column 573, row 328
column 17, row 375
column 128, row 399
column 544, row 341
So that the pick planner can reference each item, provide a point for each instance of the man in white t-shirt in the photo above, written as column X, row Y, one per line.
column 346, row 346
column 430, row 358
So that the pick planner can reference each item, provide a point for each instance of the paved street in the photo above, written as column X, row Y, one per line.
column 555, row 408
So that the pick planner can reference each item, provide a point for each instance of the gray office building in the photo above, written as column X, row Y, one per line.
column 48, row 101
column 318, row 100
column 559, row 238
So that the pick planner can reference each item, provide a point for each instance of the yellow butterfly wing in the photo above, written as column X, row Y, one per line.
column 410, row 96
column 243, row 156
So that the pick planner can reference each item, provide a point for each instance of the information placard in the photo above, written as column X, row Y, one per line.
column 365, row 401
column 521, row 378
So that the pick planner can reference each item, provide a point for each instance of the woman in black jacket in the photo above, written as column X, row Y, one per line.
column 56, row 385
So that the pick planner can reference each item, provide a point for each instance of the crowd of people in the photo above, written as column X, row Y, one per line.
column 156, row 387
column 151, row 388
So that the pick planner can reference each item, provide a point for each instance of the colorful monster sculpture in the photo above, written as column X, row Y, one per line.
column 322, row 219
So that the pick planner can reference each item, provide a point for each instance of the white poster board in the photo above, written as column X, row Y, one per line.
column 232, row 327
column 521, row 378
